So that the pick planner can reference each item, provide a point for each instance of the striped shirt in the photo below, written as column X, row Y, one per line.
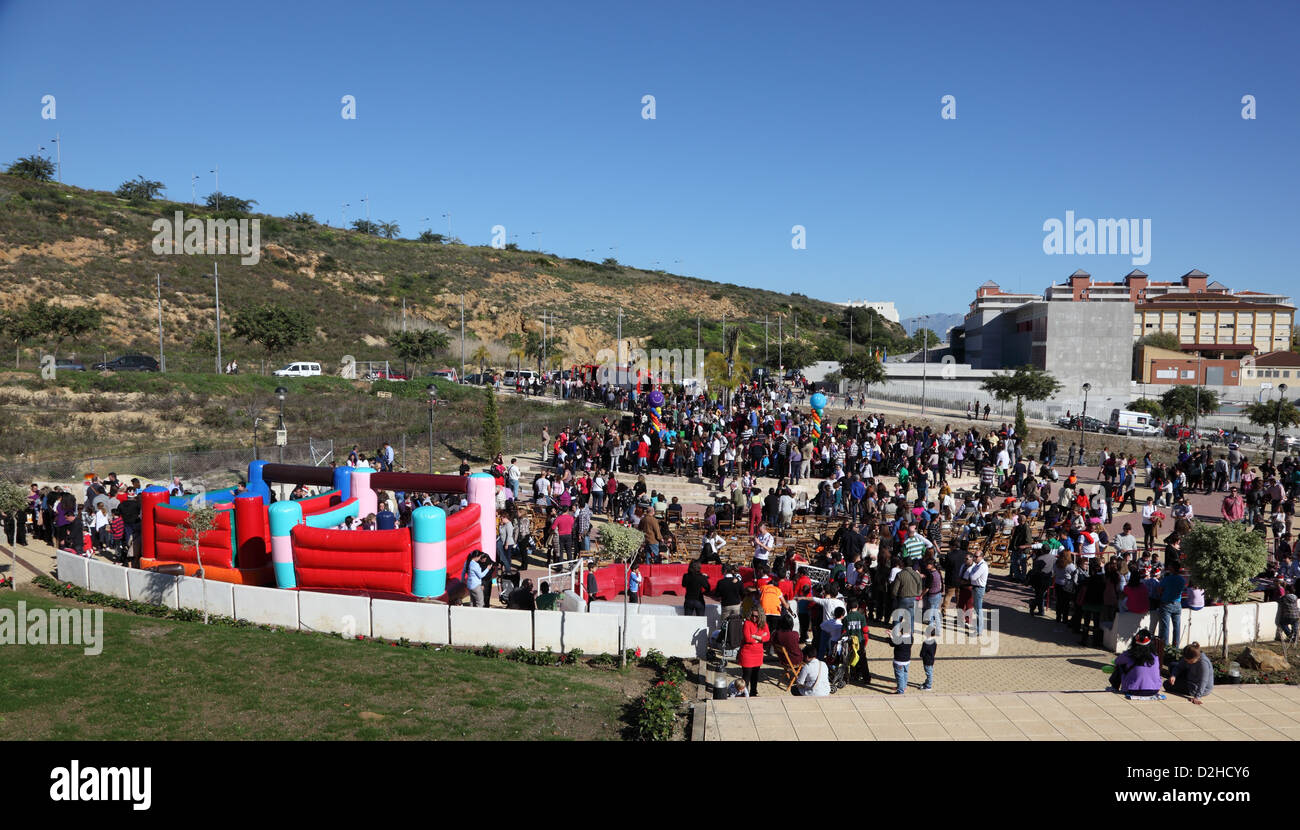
column 914, row 547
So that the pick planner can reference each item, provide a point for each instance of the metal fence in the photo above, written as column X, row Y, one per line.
column 225, row 467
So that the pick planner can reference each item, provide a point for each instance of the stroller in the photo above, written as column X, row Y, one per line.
column 843, row 652
column 724, row 644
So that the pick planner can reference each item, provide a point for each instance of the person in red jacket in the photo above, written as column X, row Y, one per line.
column 756, row 635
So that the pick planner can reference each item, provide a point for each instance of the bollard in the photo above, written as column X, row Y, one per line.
column 720, row 686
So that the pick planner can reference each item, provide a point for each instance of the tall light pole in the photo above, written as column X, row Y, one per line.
column 58, row 148
column 447, row 216
column 1086, row 388
column 281, row 435
column 1277, row 417
column 216, row 173
column 1196, row 416
column 256, row 455
column 345, row 207
column 433, row 401
column 618, row 366
column 194, row 180
column 925, row 356
column 538, row 242
column 216, row 287
column 462, row 336
column 162, row 358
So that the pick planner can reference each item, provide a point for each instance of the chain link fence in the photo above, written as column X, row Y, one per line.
column 225, row 467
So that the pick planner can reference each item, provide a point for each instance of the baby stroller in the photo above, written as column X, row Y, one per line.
column 839, row 657
column 724, row 644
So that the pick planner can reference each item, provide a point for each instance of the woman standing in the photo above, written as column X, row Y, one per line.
column 755, row 636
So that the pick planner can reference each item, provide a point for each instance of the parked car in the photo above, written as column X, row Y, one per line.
column 445, row 374
column 1089, row 424
column 386, row 374
column 301, row 369
column 128, row 363
column 68, row 364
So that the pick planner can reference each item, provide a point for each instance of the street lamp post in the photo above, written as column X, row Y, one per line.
column 1083, row 418
column 256, row 421
column 1196, row 416
column 925, row 356
column 281, row 435
column 1277, row 417
column 433, row 402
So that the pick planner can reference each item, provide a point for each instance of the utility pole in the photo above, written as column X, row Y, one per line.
column 697, row 332
column 462, row 336
column 194, row 177
column 216, row 285
column 58, row 146
column 216, row 173
column 780, row 342
column 765, row 349
column 925, row 363
column 404, row 314
column 162, row 358
column 850, row 331
column 618, row 359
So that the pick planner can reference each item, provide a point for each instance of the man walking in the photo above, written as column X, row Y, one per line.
column 978, row 574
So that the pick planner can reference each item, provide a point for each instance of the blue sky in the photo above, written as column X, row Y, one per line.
column 768, row 116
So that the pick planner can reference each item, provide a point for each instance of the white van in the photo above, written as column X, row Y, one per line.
column 299, row 370
column 513, row 374
column 1128, row 422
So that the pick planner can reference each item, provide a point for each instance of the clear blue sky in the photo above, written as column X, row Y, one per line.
column 769, row 115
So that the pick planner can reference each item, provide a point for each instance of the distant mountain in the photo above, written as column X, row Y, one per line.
column 937, row 323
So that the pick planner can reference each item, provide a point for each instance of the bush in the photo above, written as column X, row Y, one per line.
column 619, row 542
column 657, row 711
column 655, row 659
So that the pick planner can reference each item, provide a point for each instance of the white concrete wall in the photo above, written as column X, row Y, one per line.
column 266, row 606
column 419, row 622
column 1267, row 620
column 72, row 569
column 220, row 595
column 491, row 627
column 651, row 626
column 684, row 637
column 593, row 633
column 153, row 588
column 1247, row 623
column 334, row 613
column 107, row 578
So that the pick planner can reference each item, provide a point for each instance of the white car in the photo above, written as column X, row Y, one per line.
column 299, row 370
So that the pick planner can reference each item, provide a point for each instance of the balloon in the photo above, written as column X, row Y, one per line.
column 817, row 401
column 655, row 398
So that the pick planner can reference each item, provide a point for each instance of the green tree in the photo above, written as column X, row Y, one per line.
column 389, row 230
column 1267, row 413
column 1149, row 406
column 430, row 236
column 13, row 506
column 365, row 226
column 924, row 338
column 228, row 204
column 491, row 426
column 1180, row 403
column 1223, row 559
column 419, row 345
column 798, row 355
column 276, row 328
column 38, row 168
column 863, row 368
column 140, row 189
column 1025, row 383
column 27, row 325
column 74, row 322
column 302, row 218
column 202, row 518
column 1161, row 340
column 480, row 357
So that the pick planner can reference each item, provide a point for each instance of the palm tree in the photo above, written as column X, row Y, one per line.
column 480, row 356
column 389, row 230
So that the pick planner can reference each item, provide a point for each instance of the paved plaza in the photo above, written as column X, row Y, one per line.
column 1235, row 713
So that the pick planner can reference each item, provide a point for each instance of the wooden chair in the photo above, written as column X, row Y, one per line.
column 791, row 671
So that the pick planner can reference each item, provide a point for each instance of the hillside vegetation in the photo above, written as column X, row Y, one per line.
column 84, row 247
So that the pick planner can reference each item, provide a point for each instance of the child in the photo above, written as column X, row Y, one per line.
column 831, row 631
column 902, row 659
column 634, row 583
column 1039, row 580
column 928, row 648
column 737, row 689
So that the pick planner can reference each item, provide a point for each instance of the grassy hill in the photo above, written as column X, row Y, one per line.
column 91, row 247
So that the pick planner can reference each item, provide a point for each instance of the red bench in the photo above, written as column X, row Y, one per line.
column 662, row 579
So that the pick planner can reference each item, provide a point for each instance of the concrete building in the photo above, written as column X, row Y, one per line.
column 1208, row 318
column 1272, row 368
column 1165, row 367
column 886, row 310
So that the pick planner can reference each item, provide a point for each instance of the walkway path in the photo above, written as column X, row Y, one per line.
column 1234, row 713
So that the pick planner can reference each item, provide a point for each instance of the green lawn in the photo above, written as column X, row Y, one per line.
column 168, row 680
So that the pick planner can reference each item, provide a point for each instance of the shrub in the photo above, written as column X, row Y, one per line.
column 655, row 659
column 619, row 542
column 657, row 711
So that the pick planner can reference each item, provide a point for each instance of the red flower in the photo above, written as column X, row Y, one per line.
column 501, row 651
column 361, row 636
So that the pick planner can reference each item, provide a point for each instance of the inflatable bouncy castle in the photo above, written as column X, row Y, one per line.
column 295, row 544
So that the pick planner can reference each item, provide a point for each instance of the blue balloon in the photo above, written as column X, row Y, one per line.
column 818, row 401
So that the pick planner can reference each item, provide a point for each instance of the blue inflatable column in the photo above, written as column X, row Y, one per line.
column 285, row 515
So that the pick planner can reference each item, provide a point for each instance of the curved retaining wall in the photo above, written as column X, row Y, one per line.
column 423, row 622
